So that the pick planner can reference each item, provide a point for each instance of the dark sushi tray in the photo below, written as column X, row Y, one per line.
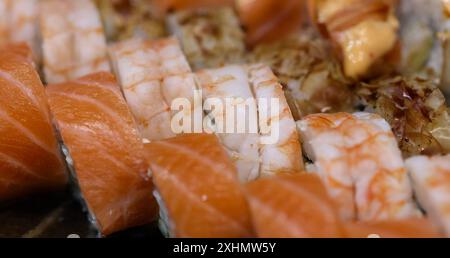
column 56, row 216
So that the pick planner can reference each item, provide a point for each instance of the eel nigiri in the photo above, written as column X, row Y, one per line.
column 19, row 23
column 210, row 37
column 30, row 159
column 358, row 158
column 199, row 187
column 292, row 206
column 73, row 40
column 431, row 182
column 364, row 32
column 153, row 74
column 102, row 141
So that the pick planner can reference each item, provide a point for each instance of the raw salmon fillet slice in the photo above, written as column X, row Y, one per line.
column 199, row 187
column 30, row 159
column 107, row 152
column 292, row 206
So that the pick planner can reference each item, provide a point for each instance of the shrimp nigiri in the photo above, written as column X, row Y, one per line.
column 431, row 182
column 359, row 160
column 236, row 85
column 73, row 40
column 153, row 74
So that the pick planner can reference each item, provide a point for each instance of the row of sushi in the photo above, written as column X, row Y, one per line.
column 206, row 185
column 391, row 41
column 118, row 144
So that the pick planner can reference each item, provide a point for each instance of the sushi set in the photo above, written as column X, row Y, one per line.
column 225, row 119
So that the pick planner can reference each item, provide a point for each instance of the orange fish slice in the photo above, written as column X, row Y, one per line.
column 199, row 187
column 30, row 159
column 292, row 206
column 410, row 228
column 108, row 155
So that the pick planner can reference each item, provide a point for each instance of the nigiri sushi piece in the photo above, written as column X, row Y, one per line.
column 313, row 79
column 125, row 19
column 210, row 37
column 102, row 143
column 153, row 74
column 431, row 181
column 292, row 206
column 358, row 158
column 232, row 83
column 73, row 40
column 283, row 154
column 268, row 20
column 363, row 32
column 19, row 23
column 407, row 228
column 199, row 187
column 30, row 159
column 325, row 145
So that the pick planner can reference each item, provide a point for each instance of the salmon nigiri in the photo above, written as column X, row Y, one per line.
column 30, row 159
column 431, row 181
column 103, row 142
column 295, row 206
column 73, row 40
column 199, row 187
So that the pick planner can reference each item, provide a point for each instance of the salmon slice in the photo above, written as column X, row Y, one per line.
column 410, row 228
column 431, row 182
column 153, row 74
column 358, row 158
column 292, row 206
column 19, row 23
column 199, row 187
column 73, row 40
column 30, row 158
column 280, row 149
column 107, row 153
